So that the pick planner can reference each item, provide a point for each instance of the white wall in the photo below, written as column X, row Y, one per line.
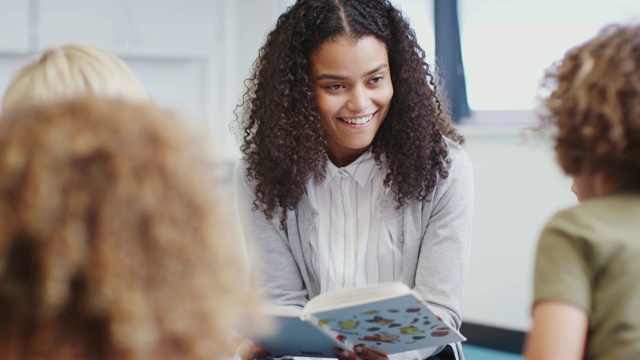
column 518, row 187
column 191, row 55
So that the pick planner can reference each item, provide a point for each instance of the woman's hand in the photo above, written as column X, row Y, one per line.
column 249, row 350
column 361, row 352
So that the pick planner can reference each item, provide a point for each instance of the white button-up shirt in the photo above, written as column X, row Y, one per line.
column 353, row 246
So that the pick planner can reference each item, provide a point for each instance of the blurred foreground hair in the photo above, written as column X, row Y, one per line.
column 113, row 240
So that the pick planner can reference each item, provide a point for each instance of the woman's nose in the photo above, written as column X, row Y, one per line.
column 358, row 99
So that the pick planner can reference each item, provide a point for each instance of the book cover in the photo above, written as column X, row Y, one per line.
column 388, row 318
column 296, row 337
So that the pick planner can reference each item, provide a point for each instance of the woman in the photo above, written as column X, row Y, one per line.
column 352, row 170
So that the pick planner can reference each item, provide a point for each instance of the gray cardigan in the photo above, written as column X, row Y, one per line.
column 435, row 236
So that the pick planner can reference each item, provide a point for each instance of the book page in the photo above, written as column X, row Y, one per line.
column 277, row 310
column 355, row 296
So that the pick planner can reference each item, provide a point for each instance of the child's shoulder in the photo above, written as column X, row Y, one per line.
column 610, row 205
column 610, row 214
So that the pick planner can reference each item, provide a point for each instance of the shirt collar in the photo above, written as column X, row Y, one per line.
column 361, row 169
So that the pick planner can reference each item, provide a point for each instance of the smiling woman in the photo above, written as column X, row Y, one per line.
column 352, row 171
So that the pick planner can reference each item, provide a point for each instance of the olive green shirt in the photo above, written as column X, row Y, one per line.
column 589, row 256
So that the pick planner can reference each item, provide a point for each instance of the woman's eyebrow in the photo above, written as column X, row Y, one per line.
column 342, row 77
column 376, row 69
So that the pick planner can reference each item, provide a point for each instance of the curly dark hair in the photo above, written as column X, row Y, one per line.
column 283, row 144
column 593, row 106
column 114, row 243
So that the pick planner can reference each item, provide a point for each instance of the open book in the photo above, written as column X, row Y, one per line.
column 388, row 318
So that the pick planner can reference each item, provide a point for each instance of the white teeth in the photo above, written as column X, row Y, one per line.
column 357, row 121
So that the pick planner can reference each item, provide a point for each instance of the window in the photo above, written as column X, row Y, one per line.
column 507, row 44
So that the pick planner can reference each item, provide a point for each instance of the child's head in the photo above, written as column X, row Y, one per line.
column 73, row 70
column 594, row 104
column 113, row 238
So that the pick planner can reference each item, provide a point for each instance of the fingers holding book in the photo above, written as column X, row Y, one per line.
column 361, row 353
column 249, row 350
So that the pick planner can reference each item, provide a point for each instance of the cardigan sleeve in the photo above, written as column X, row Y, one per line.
column 444, row 253
column 437, row 235
column 278, row 274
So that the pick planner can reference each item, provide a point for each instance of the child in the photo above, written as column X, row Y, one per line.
column 586, row 289
column 113, row 241
column 72, row 70
column 352, row 170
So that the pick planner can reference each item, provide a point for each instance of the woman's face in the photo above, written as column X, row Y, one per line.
column 352, row 82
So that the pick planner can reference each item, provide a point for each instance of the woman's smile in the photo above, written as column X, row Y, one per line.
column 360, row 120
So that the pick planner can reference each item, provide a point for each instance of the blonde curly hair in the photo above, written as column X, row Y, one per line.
column 67, row 71
column 592, row 103
column 113, row 238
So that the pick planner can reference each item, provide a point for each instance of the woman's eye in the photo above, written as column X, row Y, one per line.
column 334, row 87
column 376, row 79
